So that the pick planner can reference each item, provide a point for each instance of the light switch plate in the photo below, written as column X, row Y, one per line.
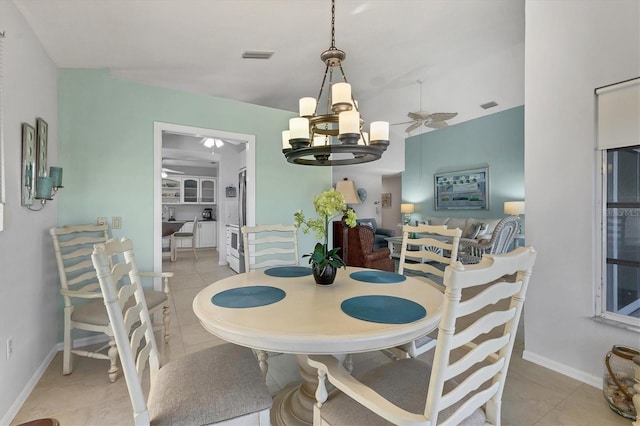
column 116, row 222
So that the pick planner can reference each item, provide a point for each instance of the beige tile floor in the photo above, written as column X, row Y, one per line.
column 533, row 395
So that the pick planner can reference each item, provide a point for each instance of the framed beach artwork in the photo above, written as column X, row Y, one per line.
column 462, row 190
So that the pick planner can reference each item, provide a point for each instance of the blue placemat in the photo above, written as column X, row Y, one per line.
column 288, row 271
column 379, row 277
column 248, row 297
column 383, row 309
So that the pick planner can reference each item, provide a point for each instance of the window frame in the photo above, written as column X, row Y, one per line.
column 601, row 312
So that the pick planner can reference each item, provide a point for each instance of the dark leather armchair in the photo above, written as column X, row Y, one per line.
column 359, row 248
column 379, row 233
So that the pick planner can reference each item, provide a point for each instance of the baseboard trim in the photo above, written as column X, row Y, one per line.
column 589, row 379
column 31, row 384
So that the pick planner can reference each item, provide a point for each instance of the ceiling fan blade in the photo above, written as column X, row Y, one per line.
column 418, row 116
column 413, row 126
column 436, row 124
column 403, row 122
column 441, row 116
column 166, row 170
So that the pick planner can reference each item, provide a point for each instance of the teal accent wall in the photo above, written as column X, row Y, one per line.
column 496, row 141
column 106, row 148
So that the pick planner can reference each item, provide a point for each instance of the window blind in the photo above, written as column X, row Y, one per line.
column 619, row 114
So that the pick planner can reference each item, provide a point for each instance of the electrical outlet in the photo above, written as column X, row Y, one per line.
column 9, row 347
column 102, row 220
column 116, row 222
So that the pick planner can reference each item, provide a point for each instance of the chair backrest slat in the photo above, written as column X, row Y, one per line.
column 269, row 245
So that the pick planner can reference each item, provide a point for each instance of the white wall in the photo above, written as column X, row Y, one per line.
column 391, row 215
column 571, row 48
column 28, row 276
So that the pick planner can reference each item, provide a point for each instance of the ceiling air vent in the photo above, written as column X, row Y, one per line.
column 257, row 54
column 488, row 105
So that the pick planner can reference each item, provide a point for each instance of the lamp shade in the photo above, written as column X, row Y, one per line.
column 514, row 208
column 407, row 208
column 348, row 189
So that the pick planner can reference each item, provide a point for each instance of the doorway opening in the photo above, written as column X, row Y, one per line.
column 226, row 174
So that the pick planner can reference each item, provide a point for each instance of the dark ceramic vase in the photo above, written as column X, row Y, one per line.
column 324, row 275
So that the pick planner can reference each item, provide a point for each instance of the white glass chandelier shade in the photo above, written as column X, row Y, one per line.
column 299, row 128
column 379, row 131
column 349, row 122
column 307, row 107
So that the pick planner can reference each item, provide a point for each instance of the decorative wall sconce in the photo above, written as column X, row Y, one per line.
column 36, row 184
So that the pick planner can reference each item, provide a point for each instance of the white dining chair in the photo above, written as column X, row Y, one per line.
column 221, row 384
column 83, row 303
column 269, row 245
column 465, row 382
column 426, row 251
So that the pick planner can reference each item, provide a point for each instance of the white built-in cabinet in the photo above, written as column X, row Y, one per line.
column 198, row 190
column 205, row 235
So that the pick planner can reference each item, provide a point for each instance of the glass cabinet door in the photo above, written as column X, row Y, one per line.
column 190, row 190
column 207, row 191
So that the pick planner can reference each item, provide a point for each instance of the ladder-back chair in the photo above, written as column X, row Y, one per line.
column 426, row 251
column 83, row 303
column 221, row 384
column 269, row 245
column 465, row 382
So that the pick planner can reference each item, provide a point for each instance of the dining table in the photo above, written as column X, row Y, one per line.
column 282, row 310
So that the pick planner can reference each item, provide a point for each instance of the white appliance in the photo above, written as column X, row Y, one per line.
column 242, row 212
column 234, row 242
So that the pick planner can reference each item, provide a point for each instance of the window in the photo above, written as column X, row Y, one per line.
column 618, row 292
column 621, row 269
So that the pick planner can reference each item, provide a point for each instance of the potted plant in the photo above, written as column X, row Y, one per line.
column 325, row 262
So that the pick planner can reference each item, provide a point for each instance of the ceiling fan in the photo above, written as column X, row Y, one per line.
column 435, row 120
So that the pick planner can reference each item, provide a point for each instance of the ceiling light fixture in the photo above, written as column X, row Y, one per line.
column 310, row 138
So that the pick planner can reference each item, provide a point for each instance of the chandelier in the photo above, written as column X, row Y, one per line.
column 310, row 140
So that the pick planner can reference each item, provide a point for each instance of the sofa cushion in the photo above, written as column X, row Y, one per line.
column 435, row 221
column 458, row 222
column 371, row 223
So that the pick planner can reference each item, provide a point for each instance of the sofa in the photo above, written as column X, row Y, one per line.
column 379, row 233
column 360, row 249
column 472, row 228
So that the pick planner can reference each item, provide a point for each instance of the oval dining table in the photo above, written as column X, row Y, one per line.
column 282, row 310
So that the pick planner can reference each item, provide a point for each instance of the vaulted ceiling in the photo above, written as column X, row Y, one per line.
column 466, row 52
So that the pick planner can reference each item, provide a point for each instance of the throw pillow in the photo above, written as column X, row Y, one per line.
column 484, row 227
column 369, row 224
column 472, row 231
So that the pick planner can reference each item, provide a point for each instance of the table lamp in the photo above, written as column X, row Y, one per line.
column 348, row 189
column 515, row 208
column 406, row 209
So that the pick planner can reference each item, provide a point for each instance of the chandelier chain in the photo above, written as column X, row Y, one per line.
column 333, row 24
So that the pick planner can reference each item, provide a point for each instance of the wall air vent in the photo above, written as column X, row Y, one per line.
column 257, row 54
column 489, row 105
